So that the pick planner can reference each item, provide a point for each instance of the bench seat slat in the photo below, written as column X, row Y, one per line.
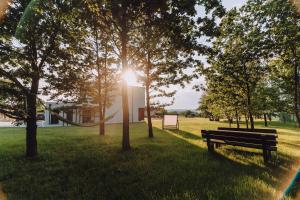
column 248, row 145
column 243, row 139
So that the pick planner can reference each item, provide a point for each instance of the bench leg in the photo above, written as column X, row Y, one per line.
column 267, row 155
column 210, row 146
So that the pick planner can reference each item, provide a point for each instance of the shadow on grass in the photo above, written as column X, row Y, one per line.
column 186, row 134
column 252, row 165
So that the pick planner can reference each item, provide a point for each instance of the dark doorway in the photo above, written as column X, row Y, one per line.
column 70, row 115
column 54, row 118
column 141, row 114
column 86, row 116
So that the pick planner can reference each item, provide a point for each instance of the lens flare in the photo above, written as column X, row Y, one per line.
column 3, row 6
column 297, row 4
column 130, row 77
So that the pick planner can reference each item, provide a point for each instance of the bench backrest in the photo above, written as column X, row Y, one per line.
column 260, row 130
column 241, row 138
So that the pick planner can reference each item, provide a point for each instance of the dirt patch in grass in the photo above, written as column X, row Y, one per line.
column 3, row 196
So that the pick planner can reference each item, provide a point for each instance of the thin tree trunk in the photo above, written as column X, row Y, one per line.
column 251, row 120
column 247, row 121
column 102, row 122
column 265, row 119
column 296, row 87
column 31, row 127
column 270, row 117
column 99, row 89
column 237, row 119
column 124, row 35
column 296, row 94
column 229, row 120
column 250, row 107
column 150, row 128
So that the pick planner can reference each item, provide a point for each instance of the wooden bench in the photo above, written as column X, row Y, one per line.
column 257, row 140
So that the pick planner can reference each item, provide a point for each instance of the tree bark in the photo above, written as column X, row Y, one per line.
column 99, row 89
column 31, row 127
column 270, row 117
column 296, row 87
column 150, row 128
column 296, row 95
column 251, row 120
column 237, row 119
column 247, row 121
column 101, row 121
column 249, row 105
column 123, row 36
column 265, row 119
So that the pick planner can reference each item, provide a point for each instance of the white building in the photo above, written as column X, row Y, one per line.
column 88, row 113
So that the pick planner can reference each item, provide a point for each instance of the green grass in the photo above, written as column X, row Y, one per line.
column 76, row 163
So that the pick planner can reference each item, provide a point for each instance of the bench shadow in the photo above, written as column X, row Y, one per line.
column 186, row 134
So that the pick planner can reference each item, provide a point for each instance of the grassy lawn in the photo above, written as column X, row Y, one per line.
column 76, row 163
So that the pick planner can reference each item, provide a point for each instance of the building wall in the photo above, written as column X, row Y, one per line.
column 136, row 100
column 4, row 118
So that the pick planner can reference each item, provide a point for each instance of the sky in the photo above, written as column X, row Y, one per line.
column 188, row 98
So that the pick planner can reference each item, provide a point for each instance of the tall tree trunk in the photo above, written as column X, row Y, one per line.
column 266, row 120
column 31, row 127
column 251, row 120
column 247, row 121
column 237, row 119
column 99, row 89
column 296, row 95
column 101, row 115
column 249, row 105
column 102, row 122
column 296, row 86
column 150, row 128
column 270, row 117
column 124, row 38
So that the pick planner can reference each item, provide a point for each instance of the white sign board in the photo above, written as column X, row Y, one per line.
column 170, row 121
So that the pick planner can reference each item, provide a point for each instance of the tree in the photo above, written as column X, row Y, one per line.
column 238, row 60
column 32, row 33
column 100, row 58
column 167, row 45
column 126, row 20
column 283, row 29
column 267, row 99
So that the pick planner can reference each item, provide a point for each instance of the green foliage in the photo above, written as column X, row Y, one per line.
column 254, row 67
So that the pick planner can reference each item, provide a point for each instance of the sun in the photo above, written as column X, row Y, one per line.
column 130, row 77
